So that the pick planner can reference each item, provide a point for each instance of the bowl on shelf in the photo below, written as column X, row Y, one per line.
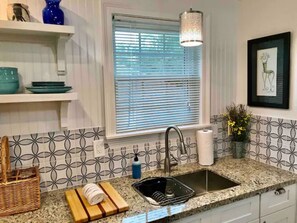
column 9, row 74
column 9, row 87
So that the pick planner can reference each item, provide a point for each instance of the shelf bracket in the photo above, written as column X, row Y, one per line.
column 64, row 114
column 61, row 54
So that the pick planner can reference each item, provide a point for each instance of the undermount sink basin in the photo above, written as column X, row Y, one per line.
column 163, row 190
column 205, row 181
column 174, row 190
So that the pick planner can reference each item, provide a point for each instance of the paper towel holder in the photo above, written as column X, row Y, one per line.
column 205, row 148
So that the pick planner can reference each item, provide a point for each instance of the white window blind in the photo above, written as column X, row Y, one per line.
column 157, row 82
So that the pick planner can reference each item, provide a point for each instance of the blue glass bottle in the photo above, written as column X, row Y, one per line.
column 52, row 14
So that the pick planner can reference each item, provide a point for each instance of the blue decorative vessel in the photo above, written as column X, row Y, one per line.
column 52, row 14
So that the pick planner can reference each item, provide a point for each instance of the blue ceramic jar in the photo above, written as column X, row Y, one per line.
column 9, row 80
column 52, row 14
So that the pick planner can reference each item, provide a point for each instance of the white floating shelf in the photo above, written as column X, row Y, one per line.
column 33, row 28
column 64, row 99
column 16, row 31
column 27, row 98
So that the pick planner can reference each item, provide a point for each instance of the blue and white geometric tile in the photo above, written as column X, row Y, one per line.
column 26, row 150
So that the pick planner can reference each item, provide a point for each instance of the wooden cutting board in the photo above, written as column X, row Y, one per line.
column 82, row 211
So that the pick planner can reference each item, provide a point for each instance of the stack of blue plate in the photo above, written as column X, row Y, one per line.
column 45, row 87
column 9, row 80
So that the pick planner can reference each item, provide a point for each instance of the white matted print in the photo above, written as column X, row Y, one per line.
column 267, row 72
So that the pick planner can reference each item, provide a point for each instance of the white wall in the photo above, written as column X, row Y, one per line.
column 36, row 61
column 258, row 18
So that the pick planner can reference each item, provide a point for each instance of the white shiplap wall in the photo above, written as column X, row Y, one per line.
column 36, row 61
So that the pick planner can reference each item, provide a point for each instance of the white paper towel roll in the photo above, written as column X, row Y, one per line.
column 205, row 147
column 93, row 193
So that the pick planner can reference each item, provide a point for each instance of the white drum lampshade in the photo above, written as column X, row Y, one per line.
column 191, row 28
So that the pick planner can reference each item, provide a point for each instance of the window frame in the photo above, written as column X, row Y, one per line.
column 108, row 74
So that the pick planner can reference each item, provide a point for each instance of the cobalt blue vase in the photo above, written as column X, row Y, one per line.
column 52, row 14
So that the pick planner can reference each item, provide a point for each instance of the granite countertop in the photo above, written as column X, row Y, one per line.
column 254, row 178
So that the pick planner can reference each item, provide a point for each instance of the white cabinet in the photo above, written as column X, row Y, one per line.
column 276, row 200
column 242, row 211
column 204, row 217
column 278, row 206
column 239, row 212
column 255, row 221
column 284, row 216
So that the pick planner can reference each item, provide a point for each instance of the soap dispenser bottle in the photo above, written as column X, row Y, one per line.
column 136, row 168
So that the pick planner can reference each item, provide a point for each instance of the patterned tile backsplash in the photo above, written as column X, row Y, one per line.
column 273, row 141
column 66, row 158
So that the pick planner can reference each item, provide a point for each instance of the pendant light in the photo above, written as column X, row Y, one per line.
column 191, row 28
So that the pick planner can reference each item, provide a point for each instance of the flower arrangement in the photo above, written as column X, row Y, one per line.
column 238, row 121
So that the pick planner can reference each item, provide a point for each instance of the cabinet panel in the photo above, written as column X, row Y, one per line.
column 284, row 216
column 276, row 200
column 281, row 207
column 255, row 221
column 238, row 212
column 204, row 217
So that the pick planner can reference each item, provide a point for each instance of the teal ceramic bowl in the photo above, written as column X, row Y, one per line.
column 9, row 74
column 9, row 87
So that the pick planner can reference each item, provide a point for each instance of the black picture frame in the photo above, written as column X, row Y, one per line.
column 269, row 83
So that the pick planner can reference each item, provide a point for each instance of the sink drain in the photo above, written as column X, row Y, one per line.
column 169, row 192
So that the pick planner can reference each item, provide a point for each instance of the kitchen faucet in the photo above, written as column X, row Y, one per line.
column 168, row 156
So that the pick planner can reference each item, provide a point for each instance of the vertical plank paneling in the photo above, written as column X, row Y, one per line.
column 36, row 61
column 223, row 53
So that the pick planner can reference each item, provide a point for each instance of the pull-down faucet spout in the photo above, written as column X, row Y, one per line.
column 167, row 163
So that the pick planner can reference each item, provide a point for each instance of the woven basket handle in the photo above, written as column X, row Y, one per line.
column 5, row 159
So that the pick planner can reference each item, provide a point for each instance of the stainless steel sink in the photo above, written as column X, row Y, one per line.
column 163, row 190
column 174, row 190
column 205, row 181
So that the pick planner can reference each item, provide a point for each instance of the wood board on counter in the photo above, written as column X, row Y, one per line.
column 82, row 211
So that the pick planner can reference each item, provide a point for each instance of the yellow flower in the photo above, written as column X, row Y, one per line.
column 239, row 132
column 231, row 123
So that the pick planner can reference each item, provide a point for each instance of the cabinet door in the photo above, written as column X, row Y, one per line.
column 204, row 217
column 284, row 216
column 255, row 221
column 273, row 201
column 242, row 211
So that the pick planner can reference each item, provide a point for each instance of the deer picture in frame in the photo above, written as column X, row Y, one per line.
column 267, row 75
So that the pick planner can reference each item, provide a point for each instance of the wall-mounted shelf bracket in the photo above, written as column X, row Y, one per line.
column 61, row 55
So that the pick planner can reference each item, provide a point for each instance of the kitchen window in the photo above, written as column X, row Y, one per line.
column 156, row 82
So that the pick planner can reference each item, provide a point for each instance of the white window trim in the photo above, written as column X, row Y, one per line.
column 108, row 74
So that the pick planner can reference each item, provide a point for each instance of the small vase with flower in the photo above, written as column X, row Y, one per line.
column 238, row 122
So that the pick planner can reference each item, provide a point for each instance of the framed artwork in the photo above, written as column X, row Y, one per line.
column 269, row 71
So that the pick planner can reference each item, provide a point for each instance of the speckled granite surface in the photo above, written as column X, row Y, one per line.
column 254, row 178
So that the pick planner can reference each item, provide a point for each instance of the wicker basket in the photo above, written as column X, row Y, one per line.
column 19, row 189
